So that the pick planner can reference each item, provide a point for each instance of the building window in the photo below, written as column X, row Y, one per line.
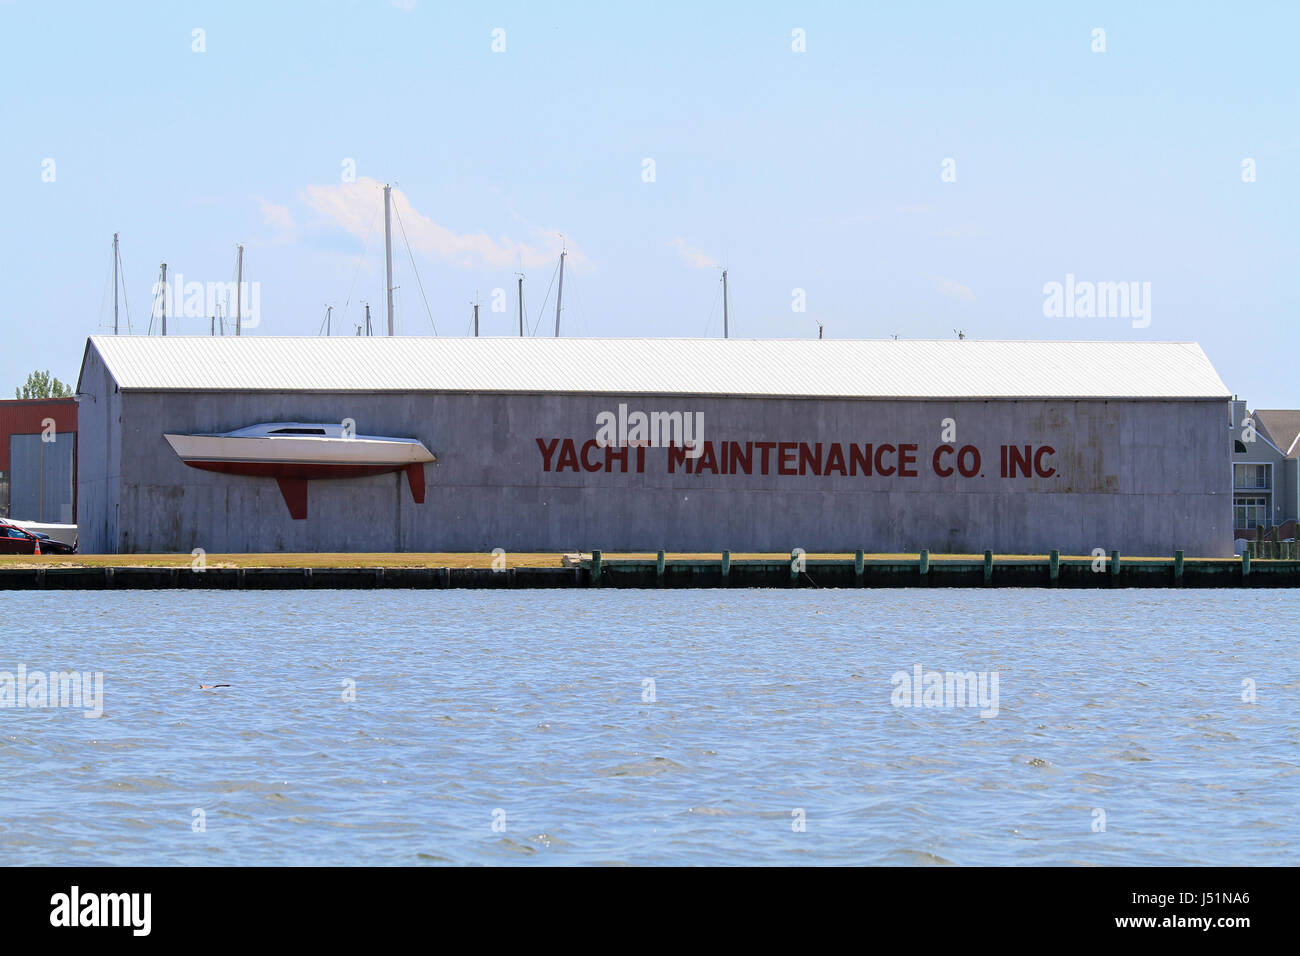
column 1251, row 476
column 1249, row 512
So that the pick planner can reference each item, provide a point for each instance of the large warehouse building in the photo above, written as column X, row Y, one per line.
column 437, row 444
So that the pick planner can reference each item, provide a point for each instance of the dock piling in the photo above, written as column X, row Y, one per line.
column 923, row 561
column 595, row 567
column 726, row 567
column 1054, row 565
column 1178, row 567
column 988, row 567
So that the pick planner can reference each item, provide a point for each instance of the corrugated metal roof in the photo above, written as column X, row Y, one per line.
column 831, row 368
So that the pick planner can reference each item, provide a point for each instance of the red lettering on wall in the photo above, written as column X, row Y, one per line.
column 835, row 459
column 810, row 458
column 860, row 457
column 972, row 454
column 793, row 458
column 787, row 450
column 707, row 460
column 612, row 455
column 547, row 450
column 943, row 471
column 880, row 454
column 741, row 459
column 1038, row 462
column 907, row 461
column 1018, row 460
column 568, row 456
column 676, row 457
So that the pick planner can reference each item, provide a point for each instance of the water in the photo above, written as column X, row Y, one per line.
column 526, row 709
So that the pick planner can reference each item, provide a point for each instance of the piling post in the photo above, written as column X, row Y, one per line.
column 1245, row 563
column 794, row 567
column 595, row 567
column 1114, row 567
column 857, row 565
column 988, row 567
column 1054, row 565
column 1178, row 567
column 923, row 561
column 726, row 567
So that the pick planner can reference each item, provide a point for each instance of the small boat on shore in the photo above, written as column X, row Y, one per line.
column 294, row 453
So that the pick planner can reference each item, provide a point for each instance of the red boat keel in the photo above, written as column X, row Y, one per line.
column 295, row 496
column 415, row 475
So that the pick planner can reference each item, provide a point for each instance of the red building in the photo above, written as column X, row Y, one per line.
column 38, row 459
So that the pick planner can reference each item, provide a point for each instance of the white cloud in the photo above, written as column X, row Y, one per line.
column 406, row 6
column 352, row 207
column 279, row 219
column 953, row 289
column 696, row 258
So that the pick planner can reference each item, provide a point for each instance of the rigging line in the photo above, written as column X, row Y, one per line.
column 717, row 292
column 418, row 282
column 360, row 259
column 731, row 311
column 160, row 291
column 122, row 274
column 541, row 311
column 582, row 311
column 103, row 301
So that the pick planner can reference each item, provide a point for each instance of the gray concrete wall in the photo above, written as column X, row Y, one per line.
column 1143, row 477
column 99, row 463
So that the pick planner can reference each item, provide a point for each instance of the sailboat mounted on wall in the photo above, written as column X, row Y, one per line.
column 294, row 453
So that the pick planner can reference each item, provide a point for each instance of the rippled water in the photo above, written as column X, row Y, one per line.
column 526, row 708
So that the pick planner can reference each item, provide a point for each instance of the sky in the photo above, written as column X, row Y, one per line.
column 865, row 170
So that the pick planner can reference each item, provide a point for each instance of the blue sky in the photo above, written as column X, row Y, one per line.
column 816, row 170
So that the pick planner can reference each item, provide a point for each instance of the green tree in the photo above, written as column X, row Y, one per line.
column 42, row 385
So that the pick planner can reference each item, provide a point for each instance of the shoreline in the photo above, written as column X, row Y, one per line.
column 525, row 570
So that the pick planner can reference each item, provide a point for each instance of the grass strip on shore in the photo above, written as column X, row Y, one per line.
column 520, row 559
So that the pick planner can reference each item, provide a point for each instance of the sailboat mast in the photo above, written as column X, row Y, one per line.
column 521, row 305
column 475, row 320
column 725, row 326
column 239, row 288
column 559, row 295
column 388, row 250
column 115, row 283
column 164, row 298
